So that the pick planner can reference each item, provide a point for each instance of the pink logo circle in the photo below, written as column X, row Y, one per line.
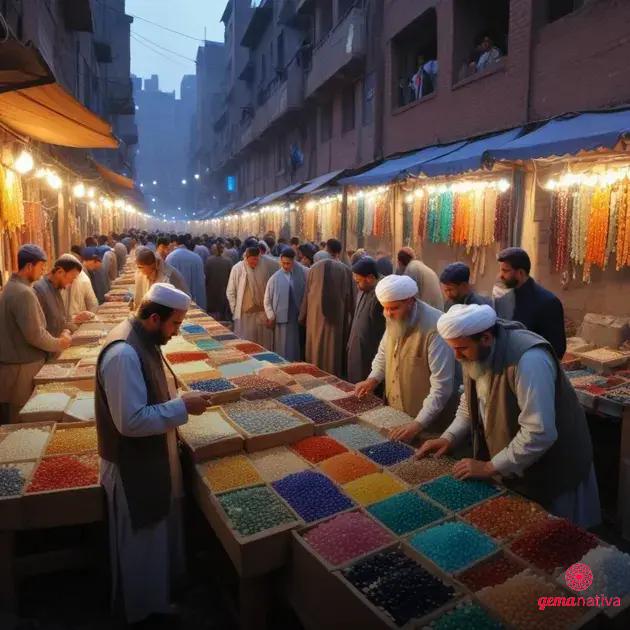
column 578, row 576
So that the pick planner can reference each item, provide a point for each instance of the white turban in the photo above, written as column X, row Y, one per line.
column 167, row 295
column 464, row 320
column 395, row 288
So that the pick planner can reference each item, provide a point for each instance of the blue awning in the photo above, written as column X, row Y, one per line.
column 401, row 167
column 470, row 157
column 568, row 135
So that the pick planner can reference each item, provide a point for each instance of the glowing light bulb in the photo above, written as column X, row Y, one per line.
column 79, row 190
column 24, row 163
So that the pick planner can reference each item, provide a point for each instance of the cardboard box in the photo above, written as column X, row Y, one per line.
column 605, row 330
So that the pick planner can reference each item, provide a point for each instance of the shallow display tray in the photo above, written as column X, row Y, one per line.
column 62, row 426
column 253, row 555
column 53, row 415
column 603, row 366
column 262, row 441
column 11, row 506
column 227, row 446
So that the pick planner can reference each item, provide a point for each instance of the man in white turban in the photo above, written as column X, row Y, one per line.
column 137, row 412
column 416, row 364
column 524, row 417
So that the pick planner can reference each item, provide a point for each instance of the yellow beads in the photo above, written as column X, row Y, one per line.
column 77, row 440
column 228, row 473
column 372, row 488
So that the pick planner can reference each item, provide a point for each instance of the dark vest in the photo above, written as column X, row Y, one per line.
column 568, row 462
column 142, row 461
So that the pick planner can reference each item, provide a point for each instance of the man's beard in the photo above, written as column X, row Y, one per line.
column 511, row 283
column 158, row 338
column 476, row 369
column 397, row 328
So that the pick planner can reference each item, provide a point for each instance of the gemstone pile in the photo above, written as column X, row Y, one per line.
column 211, row 385
column 269, row 357
column 228, row 473
column 253, row 510
column 373, row 488
column 321, row 412
column 275, row 463
column 23, row 444
column 347, row 467
column 205, row 429
column 385, row 417
column 65, row 471
column 311, row 495
column 456, row 494
column 453, row 545
column 405, row 512
column 489, row 572
column 354, row 406
column 346, row 536
column 317, row 448
column 13, row 477
column 417, row 471
column 468, row 615
column 356, row 436
column 388, row 453
column 72, row 440
column 261, row 417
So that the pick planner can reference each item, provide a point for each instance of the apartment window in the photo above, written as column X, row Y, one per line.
column 326, row 121
column 480, row 35
column 559, row 8
column 325, row 21
column 347, row 108
column 414, row 60
column 369, row 87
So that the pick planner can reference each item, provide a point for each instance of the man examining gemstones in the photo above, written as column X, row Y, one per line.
column 416, row 364
column 522, row 413
column 137, row 412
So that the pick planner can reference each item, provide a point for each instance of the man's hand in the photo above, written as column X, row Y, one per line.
column 473, row 469
column 271, row 323
column 196, row 402
column 437, row 447
column 406, row 432
column 65, row 339
column 83, row 316
column 365, row 387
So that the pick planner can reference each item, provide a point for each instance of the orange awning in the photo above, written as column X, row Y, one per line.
column 22, row 66
column 113, row 177
column 49, row 114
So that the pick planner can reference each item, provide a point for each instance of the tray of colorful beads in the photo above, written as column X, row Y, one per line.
column 72, row 438
column 384, row 418
column 603, row 359
column 52, row 372
column 42, row 407
column 267, row 423
column 251, row 520
column 14, row 477
column 75, row 353
column 194, row 370
column 210, row 435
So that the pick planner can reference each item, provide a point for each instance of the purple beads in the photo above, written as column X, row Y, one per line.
column 212, row 385
column 388, row 453
column 311, row 495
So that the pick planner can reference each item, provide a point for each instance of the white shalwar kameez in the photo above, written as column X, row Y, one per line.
column 148, row 560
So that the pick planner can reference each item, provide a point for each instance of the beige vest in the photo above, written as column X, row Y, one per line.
column 568, row 462
column 407, row 372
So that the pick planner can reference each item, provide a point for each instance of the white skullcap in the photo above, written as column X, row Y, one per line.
column 463, row 320
column 395, row 288
column 167, row 295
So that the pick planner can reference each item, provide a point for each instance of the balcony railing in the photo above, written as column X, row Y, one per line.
column 340, row 53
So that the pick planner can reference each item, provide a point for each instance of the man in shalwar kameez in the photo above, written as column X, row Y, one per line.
column 327, row 311
column 137, row 412
column 526, row 422
column 246, row 295
column 283, row 297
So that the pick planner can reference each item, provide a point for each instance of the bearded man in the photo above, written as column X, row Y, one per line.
column 416, row 364
column 525, row 419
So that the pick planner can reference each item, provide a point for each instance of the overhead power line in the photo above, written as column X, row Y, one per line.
column 157, row 52
column 157, row 45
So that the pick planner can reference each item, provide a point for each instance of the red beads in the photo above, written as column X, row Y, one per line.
column 318, row 448
column 65, row 471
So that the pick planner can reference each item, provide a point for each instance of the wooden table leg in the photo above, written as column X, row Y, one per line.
column 623, row 496
column 8, row 588
column 254, row 594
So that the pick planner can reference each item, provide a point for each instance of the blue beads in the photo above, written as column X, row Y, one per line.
column 388, row 453
column 398, row 585
column 405, row 512
column 356, row 436
column 321, row 412
column 212, row 385
column 224, row 337
column 208, row 344
column 297, row 400
column 240, row 368
column 453, row 546
column 468, row 615
column 194, row 329
column 270, row 357
column 457, row 495
column 311, row 495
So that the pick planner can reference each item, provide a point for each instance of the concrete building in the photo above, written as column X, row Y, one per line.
column 164, row 131
column 86, row 45
column 314, row 86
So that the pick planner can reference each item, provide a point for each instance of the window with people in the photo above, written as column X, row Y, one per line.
column 414, row 52
column 480, row 35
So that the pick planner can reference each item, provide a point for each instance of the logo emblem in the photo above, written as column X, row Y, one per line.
column 578, row 576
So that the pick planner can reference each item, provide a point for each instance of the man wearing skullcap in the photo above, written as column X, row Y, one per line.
column 64, row 273
column 455, row 283
column 415, row 363
column 283, row 298
column 151, row 269
column 79, row 297
column 425, row 278
column 24, row 341
column 137, row 412
column 522, row 413
column 246, row 296
column 327, row 311
column 531, row 304
column 368, row 323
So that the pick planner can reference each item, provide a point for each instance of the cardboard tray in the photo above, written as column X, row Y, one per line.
column 59, row 426
column 252, row 555
column 227, row 446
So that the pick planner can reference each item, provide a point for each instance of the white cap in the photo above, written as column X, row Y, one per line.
column 167, row 295
column 464, row 320
column 395, row 288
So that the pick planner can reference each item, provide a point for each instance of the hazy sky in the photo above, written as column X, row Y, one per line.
column 186, row 16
